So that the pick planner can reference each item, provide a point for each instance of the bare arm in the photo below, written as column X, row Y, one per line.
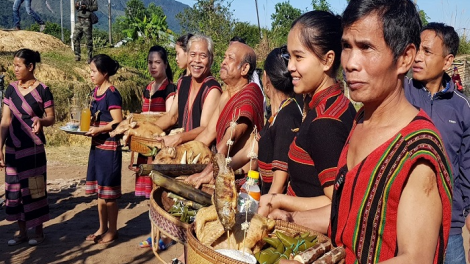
column 241, row 158
column 169, row 103
column 419, row 217
column 170, row 117
column 315, row 219
column 279, row 181
column 116, row 114
column 210, row 105
column 47, row 120
column 289, row 203
column 240, row 129
column 210, row 132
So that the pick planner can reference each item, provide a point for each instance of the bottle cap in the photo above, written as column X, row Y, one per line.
column 253, row 174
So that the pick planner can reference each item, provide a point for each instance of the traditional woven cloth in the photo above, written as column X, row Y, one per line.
column 247, row 103
column 314, row 152
column 366, row 198
column 25, row 156
column 157, row 102
column 105, row 160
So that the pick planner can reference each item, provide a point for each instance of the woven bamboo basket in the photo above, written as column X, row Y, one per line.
column 197, row 253
column 143, row 145
column 162, row 220
column 151, row 117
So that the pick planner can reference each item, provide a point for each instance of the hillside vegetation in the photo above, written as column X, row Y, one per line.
column 64, row 76
column 49, row 10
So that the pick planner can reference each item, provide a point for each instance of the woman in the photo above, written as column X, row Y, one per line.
column 104, row 162
column 281, row 127
column 314, row 45
column 181, row 48
column 159, row 94
column 29, row 106
column 157, row 97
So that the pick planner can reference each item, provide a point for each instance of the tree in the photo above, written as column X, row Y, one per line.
column 322, row 5
column 248, row 32
column 464, row 45
column 135, row 9
column 282, row 19
column 424, row 17
column 209, row 17
column 141, row 22
column 212, row 18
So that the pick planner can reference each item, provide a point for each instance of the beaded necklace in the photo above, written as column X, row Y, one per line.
column 272, row 119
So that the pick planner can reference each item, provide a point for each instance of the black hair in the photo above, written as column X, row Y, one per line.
column 164, row 56
column 183, row 41
column 105, row 64
column 400, row 21
column 276, row 69
column 320, row 32
column 238, row 39
column 249, row 58
column 449, row 37
column 29, row 57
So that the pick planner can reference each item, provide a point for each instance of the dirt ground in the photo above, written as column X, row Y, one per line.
column 74, row 215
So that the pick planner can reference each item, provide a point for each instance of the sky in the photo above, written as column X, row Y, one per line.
column 452, row 12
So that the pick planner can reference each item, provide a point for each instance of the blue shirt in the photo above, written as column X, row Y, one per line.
column 450, row 113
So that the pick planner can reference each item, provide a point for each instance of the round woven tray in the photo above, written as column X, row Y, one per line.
column 197, row 253
column 165, row 222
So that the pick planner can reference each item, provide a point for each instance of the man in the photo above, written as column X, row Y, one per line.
column 433, row 91
column 393, row 190
column 197, row 96
column 242, row 102
column 84, row 25
column 29, row 11
column 456, row 79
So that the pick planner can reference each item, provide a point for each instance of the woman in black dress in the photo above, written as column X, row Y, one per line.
column 281, row 127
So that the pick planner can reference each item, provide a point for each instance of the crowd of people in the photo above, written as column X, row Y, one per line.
column 389, row 183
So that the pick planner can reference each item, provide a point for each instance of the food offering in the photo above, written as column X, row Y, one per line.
column 222, row 234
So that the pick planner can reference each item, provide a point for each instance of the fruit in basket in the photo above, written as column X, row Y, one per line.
column 128, row 127
column 192, row 152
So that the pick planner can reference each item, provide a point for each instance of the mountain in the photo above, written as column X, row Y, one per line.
column 49, row 10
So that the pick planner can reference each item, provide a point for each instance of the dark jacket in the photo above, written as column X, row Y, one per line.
column 450, row 113
column 89, row 6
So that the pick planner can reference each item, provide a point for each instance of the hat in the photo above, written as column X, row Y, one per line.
column 455, row 68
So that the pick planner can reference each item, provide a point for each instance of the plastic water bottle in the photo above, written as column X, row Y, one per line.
column 250, row 194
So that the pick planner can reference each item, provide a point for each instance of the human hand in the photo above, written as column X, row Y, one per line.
column 36, row 127
column 278, row 214
column 206, row 176
column 171, row 141
column 93, row 131
column 267, row 203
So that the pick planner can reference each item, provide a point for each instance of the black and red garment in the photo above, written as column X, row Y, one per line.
column 190, row 118
column 275, row 139
column 315, row 151
column 156, row 103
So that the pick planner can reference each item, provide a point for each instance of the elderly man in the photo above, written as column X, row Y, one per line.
column 242, row 102
column 393, row 191
column 197, row 97
column 434, row 91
